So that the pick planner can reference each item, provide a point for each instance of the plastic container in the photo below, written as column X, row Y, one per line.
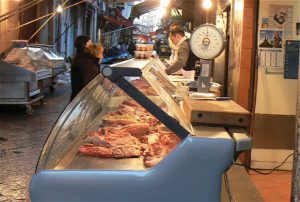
column 142, row 54
column 144, row 47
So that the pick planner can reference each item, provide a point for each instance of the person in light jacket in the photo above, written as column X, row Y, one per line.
column 180, row 53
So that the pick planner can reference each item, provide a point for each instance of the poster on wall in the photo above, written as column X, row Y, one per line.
column 270, row 39
column 298, row 28
column 281, row 17
column 270, row 49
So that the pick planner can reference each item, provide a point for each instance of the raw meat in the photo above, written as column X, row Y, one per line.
column 117, row 122
column 112, row 143
column 130, row 131
column 160, row 145
column 126, row 151
column 96, row 151
column 137, row 129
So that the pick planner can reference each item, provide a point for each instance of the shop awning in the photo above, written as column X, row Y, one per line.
column 118, row 18
column 144, row 7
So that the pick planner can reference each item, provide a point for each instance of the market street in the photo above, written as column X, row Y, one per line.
column 22, row 137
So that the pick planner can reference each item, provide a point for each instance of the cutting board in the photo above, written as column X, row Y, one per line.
column 221, row 113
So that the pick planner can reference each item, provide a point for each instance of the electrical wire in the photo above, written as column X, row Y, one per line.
column 24, row 6
column 19, row 10
column 227, row 187
column 270, row 170
column 42, row 26
column 32, row 21
column 68, row 27
column 118, row 30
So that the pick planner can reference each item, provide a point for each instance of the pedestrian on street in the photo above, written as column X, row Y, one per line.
column 85, row 65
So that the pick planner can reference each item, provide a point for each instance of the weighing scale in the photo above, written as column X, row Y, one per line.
column 207, row 42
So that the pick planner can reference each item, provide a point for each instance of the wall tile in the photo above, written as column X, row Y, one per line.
column 248, row 18
column 244, row 79
column 247, row 38
column 246, row 58
column 249, row 3
column 243, row 97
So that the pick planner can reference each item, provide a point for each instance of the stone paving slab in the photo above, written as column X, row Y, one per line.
column 22, row 137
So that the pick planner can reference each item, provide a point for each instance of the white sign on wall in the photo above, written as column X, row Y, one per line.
column 281, row 17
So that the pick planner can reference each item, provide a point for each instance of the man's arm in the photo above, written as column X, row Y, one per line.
column 183, row 54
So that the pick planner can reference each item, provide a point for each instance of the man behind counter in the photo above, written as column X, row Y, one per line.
column 181, row 50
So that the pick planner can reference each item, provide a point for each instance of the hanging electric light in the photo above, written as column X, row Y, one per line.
column 59, row 8
column 207, row 4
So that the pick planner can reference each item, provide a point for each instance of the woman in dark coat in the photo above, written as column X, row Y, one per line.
column 84, row 67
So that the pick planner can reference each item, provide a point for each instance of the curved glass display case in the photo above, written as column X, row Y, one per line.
column 125, row 134
column 101, row 102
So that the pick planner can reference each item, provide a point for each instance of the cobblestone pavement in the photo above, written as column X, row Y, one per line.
column 22, row 138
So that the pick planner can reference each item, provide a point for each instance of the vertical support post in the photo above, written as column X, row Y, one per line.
column 295, row 196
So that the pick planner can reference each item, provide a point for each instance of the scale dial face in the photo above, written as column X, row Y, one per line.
column 207, row 41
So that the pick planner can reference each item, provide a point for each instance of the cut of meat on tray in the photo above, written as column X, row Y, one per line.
column 129, row 112
column 143, row 86
column 150, row 161
column 137, row 129
column 126, row 151
column 168, row 139
column 112, row 143
column 140, row 83
column 131, row 103
column 155, row 153
column 118, row 122
column 160, row 145
column 96, row 151
column 130, row 131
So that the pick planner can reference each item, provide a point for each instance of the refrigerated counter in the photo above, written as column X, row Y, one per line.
column 26, row 72
column 86, row 158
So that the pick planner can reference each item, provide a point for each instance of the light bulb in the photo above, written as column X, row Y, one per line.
column 207, row 4
column 162, row 11
column 164, row 3
column 59, row 8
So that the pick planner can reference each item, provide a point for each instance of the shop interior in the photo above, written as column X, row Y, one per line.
column 225, row 130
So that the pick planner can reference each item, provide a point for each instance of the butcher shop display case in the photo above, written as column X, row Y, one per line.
column 26, row 70
column 125, row 138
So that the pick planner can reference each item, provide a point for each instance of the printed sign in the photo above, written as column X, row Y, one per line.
column 292, row 59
